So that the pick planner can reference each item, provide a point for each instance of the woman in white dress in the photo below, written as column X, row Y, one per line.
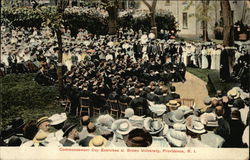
column 184, row 56
column 213, row 58
column 217, row 59
column 204, row 61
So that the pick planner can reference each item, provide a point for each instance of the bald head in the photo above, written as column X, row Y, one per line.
column 85, row 120
column 219, row 110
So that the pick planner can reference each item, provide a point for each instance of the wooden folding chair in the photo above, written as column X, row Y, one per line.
column 187, row 102
column 84, row 106
column 66, row 104
column 138, row 111
column 114, row 108
column 123, row 107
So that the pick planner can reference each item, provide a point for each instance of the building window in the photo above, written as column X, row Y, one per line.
column 167, row 3
column 184, row 20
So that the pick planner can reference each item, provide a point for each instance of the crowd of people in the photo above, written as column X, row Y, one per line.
column 132, row 68
column 27, row 50
column 223, row 121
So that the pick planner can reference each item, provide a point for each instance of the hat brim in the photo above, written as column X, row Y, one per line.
column 229, row 94
column 42, row 121
column 53, row 123
column 105, row 141
column 166, row 119
column 197, row 131
column 147, row 125
column 176, row 120
column 69, row 129
column 170, row 105
column 130, row 127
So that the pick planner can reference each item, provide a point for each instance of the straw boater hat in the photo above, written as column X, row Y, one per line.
column 233, row 93
column 58, row 118
column 173, row 104
column 41, row 120
column 122, row 126
column 138, row 138
column 98, row 141
column 40, row 137
column 153, row 126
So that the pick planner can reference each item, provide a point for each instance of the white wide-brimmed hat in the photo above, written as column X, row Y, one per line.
column 173, row 117
column 129, row 112
column 122, row 126
column 194, row 125
column 153, row 126
column 58, row 118
column 137, row 121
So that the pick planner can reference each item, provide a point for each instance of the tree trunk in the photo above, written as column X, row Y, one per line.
column 153, row 23
column 152, row 15
column 113, row 15
column 59, row 65
column 205, row 10
column 112, row 24
column 228, row 39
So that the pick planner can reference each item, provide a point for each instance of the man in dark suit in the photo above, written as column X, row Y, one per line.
column 164, row 98
column 236, row 130
column 173, row 94
column 151, row 96
column 224, row 62
column 223, row 129
column 71, row 135
column 138, row 102
column 124, row 98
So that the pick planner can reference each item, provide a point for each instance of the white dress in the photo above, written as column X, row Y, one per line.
column 213, row 59
column 217, row 59
column 204, row 61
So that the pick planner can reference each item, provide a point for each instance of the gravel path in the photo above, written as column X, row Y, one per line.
column 194, row 87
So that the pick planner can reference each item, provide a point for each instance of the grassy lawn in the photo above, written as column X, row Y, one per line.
column 214, row 83
column 201, row 73
column 22, row 97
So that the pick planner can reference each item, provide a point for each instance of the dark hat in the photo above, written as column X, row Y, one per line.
column 7, row 133
column 67, row 128
column 246, row 101
column 15, row 141
column 138, row 138
column 238, row 103
column 17, row 123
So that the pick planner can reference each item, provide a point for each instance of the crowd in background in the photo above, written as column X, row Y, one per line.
column 131, row 68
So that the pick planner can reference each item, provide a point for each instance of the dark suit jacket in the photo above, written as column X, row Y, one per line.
column 164, row 99
column 174, row 95
column 139, row 102
column 151, row 96
column 67, row 142
column 85, row 141
column 125, row 99
column 223, row 130
column 236, row 132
